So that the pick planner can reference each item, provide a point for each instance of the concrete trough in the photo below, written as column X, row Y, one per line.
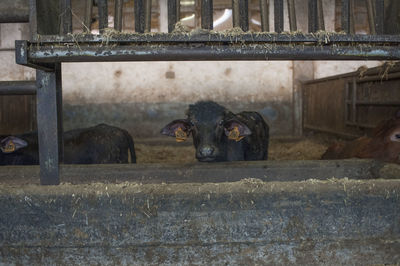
column 308, row 219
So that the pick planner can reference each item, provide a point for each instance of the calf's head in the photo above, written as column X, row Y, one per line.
column 212, row 127
column 387, row 136
column 11, row 144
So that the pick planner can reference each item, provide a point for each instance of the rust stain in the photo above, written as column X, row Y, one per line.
column 170, row 74
column 117, row 73
column 227, row 71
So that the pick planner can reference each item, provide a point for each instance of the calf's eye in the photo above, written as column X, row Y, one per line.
column 397, row 136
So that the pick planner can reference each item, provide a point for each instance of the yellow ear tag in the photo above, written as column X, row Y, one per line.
column 180, row 135
column 234, row 134
column 10, row 147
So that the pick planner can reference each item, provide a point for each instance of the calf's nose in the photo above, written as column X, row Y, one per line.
column 206, row 151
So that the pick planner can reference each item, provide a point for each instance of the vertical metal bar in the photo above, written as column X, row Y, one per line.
column 346, row 104
column 118, row 15
column 292, row 15
column 60, row 127
column 312, row 16
column 278, row 15
column 197, row 13
column 103, row 14
column 371, row 17
column 379, row 16
column 172, row 15
column 33, row 20
column 178, row 10
column 352, row 21
column 235, row 13
column 354, row 101
column 147, row 16
column 264, row 11
column 320, row 15
column 346, row 16
column 47, row 127
column 139, row 16
column 244, row 14
column 207, row 14
column 87, row 20
column 66, row 16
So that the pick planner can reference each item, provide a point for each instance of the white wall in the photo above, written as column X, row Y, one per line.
column 9, row 70
column 153, row 82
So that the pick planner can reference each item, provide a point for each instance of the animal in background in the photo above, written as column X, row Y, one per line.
column 384, row 144
column 95, row 145
column 220, row 135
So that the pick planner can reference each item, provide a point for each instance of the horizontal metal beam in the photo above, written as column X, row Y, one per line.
column 17, row 87
column 14, row 11
column 320, row 39
column 267, row 171
column 95, row 53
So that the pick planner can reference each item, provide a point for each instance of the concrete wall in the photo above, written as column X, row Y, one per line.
column 142, row 97
column 250, row 222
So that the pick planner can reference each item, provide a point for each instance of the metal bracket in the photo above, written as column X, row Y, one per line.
column 21, row 57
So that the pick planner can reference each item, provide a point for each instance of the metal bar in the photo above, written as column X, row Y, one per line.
column 207, row 14
column 172, row 14
column 354, row 100
column 21, row 57
column 264, row 12
column 235, row 13
column 320, row 15
column 371, row 16
column 147, row 17
column 379, row 16
column 139, row 16
column 346, row 105
column 60, row 128
column 226, row 38
column 47, row 127
column 14, row 11
column 312, row 16
column 66, row 16
column 292, row 15
column 17, row 87
column 118, row 15
column 346, row 16
column 102, row 6
column 278, row 15
column 87, row 19
column 32, row 20
column 178, row 10
column 94, row 53
column 352, row 19
column 244, row 14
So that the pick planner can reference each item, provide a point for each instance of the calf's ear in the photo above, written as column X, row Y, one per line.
column 236, row 130
column 11, row 144
column 180, row 129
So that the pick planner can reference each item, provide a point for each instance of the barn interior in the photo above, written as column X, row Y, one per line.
column 318, row 71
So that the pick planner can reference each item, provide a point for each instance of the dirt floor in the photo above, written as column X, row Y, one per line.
column 166, row 150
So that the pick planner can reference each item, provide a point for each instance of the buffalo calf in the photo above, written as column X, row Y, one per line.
column 95, row 145
column 384, row 144
column 220, row 135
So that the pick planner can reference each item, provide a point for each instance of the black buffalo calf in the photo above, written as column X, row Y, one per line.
column 220, row 135
column 95, row 145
